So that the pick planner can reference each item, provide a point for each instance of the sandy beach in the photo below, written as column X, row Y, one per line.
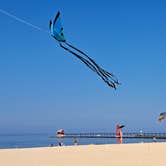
column 140, row 154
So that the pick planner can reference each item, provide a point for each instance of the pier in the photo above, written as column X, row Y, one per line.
column 112, row 135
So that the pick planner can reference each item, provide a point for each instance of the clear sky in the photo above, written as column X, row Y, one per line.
column 43, row 88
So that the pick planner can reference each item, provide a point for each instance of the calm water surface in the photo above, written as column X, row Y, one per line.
column 44, row 140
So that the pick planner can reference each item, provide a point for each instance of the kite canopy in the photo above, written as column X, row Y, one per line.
column 56, row 29
column 121, row 126
column 162, row 116
column 118, row 126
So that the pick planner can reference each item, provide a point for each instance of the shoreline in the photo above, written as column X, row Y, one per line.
column 72, row 145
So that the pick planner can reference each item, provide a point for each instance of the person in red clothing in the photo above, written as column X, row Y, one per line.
column 60, row 136
column 119, row 134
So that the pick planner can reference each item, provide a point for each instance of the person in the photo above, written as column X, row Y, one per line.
column 51, row 145
column 154, row 139
column 75, row 141
column 60, row 136
column 119, row 134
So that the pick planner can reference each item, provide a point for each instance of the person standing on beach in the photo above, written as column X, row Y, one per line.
column 75, row 141
column 60, row 136
column 119, row 134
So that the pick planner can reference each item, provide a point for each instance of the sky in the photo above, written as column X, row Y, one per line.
column 43, row 88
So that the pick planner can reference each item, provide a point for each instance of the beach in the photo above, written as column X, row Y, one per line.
column 138, row 154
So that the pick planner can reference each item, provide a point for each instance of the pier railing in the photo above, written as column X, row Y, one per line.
column 113, row 135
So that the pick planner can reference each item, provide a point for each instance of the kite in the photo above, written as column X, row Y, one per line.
column 57, row 32
column 162, row 116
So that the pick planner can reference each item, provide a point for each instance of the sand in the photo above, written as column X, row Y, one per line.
column 141, row 154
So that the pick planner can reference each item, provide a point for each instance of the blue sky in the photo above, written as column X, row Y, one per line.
column 43, row 88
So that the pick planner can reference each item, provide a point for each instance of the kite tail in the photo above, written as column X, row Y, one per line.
column 91, row 66
column 81, row 58
column 102, row 71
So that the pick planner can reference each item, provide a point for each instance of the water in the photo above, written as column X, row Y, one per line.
column 25, row 140
column 44, row 140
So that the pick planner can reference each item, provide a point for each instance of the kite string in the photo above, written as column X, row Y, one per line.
column 22, row 21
